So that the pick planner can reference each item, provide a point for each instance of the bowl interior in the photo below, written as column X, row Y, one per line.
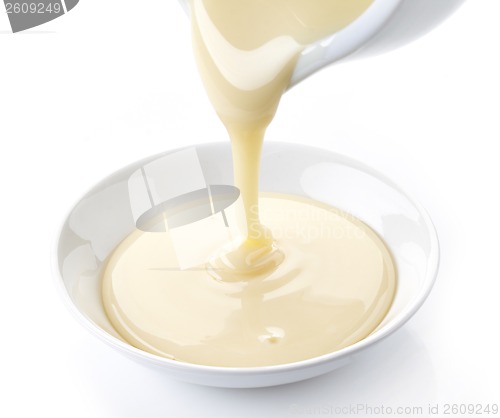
column 115, row 207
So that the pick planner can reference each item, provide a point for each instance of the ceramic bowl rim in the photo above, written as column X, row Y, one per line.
column 398, row 322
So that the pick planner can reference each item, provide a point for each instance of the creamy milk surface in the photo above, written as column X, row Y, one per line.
column 304, row 279
column 333, row 287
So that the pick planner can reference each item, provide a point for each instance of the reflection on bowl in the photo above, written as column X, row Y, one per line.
column 133, row 197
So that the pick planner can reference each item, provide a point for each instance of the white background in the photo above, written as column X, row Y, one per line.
column 114, row 81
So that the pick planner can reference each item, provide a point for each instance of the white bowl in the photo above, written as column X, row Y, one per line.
column 108, row 213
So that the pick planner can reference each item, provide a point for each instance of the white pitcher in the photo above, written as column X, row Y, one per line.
column 384, row 26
